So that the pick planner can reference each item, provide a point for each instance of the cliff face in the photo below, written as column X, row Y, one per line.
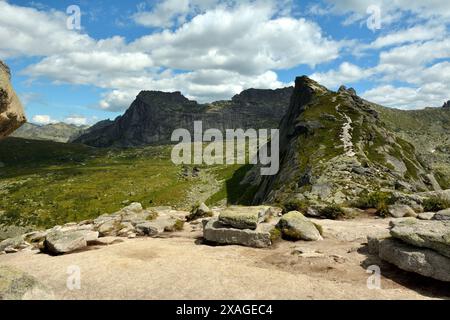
column 11, row 110
column 154, row 115
column 334, row 147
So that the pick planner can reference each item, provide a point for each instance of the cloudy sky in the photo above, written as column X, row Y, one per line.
column 393, row 52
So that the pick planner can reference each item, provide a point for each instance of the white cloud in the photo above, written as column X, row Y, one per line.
column 76, row 120
column 42, row 119
column 221, row 51
column 346, row 74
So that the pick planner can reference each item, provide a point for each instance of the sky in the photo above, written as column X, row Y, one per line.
column 84, row 61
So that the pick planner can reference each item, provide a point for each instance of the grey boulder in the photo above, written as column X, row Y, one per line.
column 295, row 226
column 401, row 210
column 443, row 215
column 432, row 234
column 216, row 232
column 425, row 262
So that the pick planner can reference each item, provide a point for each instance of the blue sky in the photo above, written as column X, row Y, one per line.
column 396, row 52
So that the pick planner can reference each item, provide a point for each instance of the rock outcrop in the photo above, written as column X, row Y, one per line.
column 333, row 148
column 446, row 104
column 154, row 115
column 418, row 246
column 11, row 111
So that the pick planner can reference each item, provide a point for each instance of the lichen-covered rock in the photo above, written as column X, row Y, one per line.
column 11, row 111
column 295, row 226
column 17, row 285
column 422, row 261
column 58, row 242
column 240, row 217
column 147, row 229
column 433, row 234
column 401, row 210
column 426, row 216
column 13, row 243
column 216, row 232
column 199, row 211
column 443, row 215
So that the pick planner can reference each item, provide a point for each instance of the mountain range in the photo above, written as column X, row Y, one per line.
column 58, row 132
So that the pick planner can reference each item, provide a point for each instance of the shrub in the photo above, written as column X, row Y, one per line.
column 294, row 205
column 375, row 200
column 333, row 212
column 435, row 204
column 177, row 226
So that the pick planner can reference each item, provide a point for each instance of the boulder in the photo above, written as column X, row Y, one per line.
column 147, row 229
column 295, row 226
column 200, row 211
column 426, row 216
column 443, row 215
column 17, row 285
column 432, row 234
column 11, row 111
column 422, row 261
column 401, row 210
column 58, row 242
column 246, row 217
column 12, row 243
column 216, row 232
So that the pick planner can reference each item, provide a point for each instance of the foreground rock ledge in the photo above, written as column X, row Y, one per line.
column 425, row 262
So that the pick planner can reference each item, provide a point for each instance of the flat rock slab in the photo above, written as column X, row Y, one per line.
column 17, row 285
column 215, row 231
column 243, row 217
column 432, row 234
column 425, row 262
column 58, row 242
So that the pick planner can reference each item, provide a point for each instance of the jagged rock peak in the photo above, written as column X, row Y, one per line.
column 257, row 95
column 344, row 89
column 160, row 95
column 306, row 83
column 446, row 104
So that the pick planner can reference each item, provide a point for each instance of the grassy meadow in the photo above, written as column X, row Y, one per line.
column 45, row 183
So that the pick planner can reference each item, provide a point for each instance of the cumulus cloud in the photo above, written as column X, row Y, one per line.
column 43, row 119
column 76, row 120
column 346, row 74
column 219, row 51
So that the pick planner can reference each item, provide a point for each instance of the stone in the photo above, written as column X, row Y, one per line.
column 295, row 226
column 135, row 207
column 442, row 215
column 147, row 229
column 106, row 241
column 110, row 227
column 201, row 211
column 216, row 232
column 432, row 234
column 12, row 243
column 11, row 111
column 422, row 261
column 401, row 210
column 58, row 242
column 239, row 219
column 426, row 216
column 17, row 285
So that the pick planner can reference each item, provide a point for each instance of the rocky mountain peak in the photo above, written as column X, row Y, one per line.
column 446, row 104
column 333, row 148
column 5, row 69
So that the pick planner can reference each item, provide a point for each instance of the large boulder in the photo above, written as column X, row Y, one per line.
column 401, row 210
column 11, row 111
column 216, row 232
column 295, row 226
column 434, row 235
column 442, row 215
column 60, row 242
column 422, row 261
column 17, row 285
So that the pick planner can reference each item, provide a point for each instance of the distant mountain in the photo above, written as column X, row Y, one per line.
column 335, row 146
column 154, row 115
column 58, row 132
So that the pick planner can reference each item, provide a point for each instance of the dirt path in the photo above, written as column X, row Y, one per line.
column 181, row 267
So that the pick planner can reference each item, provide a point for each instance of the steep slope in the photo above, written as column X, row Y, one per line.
column 428, row 130
column 334, row 147
column 154, row 115
column 11, row 110
column 58, row 132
